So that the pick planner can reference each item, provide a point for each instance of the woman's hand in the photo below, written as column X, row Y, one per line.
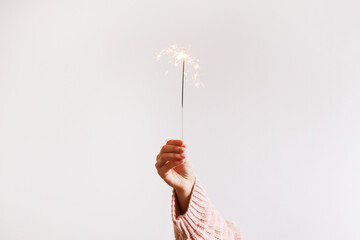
column 176, row 170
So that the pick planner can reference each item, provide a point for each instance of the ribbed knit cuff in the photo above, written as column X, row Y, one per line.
column 201, row 220
column 192, row 223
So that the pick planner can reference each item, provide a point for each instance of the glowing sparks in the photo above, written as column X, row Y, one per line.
column 182, row 55
column 175, row 56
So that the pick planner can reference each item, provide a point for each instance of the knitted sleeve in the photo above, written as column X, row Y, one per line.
column 201, row 220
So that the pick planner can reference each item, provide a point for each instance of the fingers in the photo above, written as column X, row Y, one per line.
column 167, row 167
column 172, row 149
column 175, row 142
column 169, row 157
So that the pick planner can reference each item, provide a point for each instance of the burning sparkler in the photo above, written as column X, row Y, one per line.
column 178, row 56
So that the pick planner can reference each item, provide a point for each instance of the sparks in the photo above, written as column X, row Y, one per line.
column 175, row 56
column 181, row 55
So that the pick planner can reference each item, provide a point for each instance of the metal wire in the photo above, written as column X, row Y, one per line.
column 182, row 100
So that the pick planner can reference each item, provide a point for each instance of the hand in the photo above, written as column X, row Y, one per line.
column 176, row 170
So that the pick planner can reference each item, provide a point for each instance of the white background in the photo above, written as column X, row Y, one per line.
column 84, row 109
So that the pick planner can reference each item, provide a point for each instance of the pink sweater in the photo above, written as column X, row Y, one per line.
column 201, row 220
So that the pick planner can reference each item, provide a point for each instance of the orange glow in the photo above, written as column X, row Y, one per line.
column 181, row 55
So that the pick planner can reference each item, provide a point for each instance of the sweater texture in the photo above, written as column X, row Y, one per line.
column 201, row 220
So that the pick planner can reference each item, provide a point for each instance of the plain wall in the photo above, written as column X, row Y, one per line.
column 84, row 109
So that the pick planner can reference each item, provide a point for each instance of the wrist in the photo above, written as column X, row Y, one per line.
column 183, row 195
column 185, row 190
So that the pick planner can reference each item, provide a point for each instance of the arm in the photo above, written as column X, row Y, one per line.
column 193, row 215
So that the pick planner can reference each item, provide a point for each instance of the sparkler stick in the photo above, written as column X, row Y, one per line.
column 182, row 98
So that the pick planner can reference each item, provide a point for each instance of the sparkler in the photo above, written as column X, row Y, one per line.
column 178, row 56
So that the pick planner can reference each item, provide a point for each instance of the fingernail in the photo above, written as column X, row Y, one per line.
column 183, row 155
